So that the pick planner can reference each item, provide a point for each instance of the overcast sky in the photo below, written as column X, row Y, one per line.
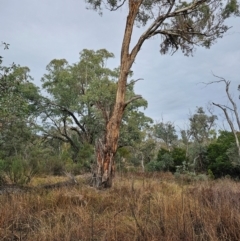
column 39, row 31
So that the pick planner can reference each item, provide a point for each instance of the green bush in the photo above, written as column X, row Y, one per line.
column 169, row 161
column 222, row 155
column 223, row 168
column 201, row 177
column 210, row 174
column 154, row 166
column 17, row 170
column 2, row 173
column 51, row 166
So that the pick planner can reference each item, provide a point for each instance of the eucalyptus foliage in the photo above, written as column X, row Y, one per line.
column 80, row 102
column 181, row 24
column 18, row 109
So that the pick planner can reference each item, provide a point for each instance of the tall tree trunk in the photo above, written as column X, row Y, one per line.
column 106, row 166
column 107, row 151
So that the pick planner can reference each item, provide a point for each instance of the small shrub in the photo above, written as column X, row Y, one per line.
column 57, row 167
column 154, row 166
column 201, row 177
column 177, row 175
column 76, row 168
column 2, row 173
column 3, row 178
column 210, row 174
column 17, row 170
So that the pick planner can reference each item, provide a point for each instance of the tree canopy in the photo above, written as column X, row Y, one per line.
column 81, row 99
column 182, row 24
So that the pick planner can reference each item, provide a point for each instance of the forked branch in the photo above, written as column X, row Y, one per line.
column 133, row 81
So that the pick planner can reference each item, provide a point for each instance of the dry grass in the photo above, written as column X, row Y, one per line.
column 38, row 181
column 136, row 208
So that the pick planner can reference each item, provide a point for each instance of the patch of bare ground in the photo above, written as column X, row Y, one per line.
column 137, row 207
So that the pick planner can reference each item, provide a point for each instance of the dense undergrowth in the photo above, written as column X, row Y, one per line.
column 137, row 207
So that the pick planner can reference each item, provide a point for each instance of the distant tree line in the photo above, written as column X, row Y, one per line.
column 62, row 126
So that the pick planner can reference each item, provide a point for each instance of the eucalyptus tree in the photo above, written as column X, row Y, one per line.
column 80, row 102
column 18, row 113
column 18, row 109
column 72, row 109
column 201, row 134
column 181, row 25
column 166, row 132
column 201, row 126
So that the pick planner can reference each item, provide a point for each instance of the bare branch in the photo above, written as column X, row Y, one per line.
column 74, row 117
column 133, row 81
column 227, row 84
column 136, row 97
column 46, row 134
column 178, row 32
column 55, row 123
column 228, row 107
column 226, row 115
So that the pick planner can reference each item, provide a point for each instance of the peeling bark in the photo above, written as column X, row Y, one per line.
column 106, row 151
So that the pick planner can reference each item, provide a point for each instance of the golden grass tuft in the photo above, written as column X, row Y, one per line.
column 137, row 207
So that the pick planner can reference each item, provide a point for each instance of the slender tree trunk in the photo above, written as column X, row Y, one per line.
column 142, row 163
column 106, row 159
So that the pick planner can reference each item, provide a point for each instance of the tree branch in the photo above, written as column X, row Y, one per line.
column 136, row 97
column 151, row 31
column 46, row 134
column 55, row 124
column 227, row 84
column 133, row 11
column 70, row 113
column 117, row 7
column 76, row 130
column 133, row 81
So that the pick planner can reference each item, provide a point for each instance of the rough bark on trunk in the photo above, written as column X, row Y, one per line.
column 106, row 152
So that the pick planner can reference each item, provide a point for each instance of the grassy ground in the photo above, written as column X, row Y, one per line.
column 136, row 208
